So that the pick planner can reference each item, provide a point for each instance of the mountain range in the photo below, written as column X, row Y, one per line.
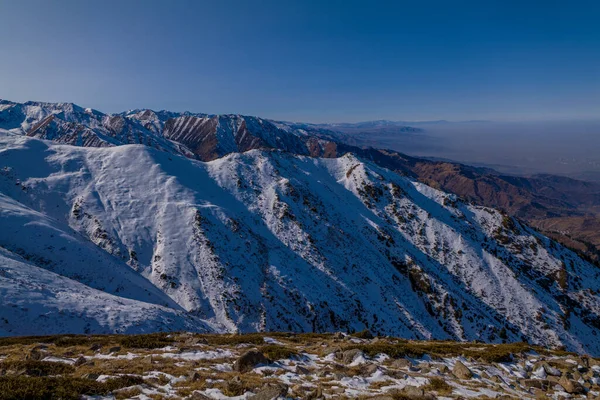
column 145, row 221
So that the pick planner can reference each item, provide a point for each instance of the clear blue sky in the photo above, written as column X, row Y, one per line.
column 308, row 60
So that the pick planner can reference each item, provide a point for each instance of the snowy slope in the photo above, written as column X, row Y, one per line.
column 37, row 301
column 267, row 240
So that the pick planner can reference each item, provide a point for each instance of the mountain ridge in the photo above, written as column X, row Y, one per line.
column 559, row 213
column 269, row 240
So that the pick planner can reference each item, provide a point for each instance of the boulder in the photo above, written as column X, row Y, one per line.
column 461, row 371
column 548, row 369
column 349, row 355
column 80, row 361
column 270, row 392
column 571, row 386
column 35, row 354
column 336, row 351
column 369, row 369
column 95, row 347
column 542, row 384
column 247, row 361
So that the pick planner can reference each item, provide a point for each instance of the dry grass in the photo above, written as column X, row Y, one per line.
column 57, row 380
column 438, row 385
column 277, row 352
column 489, row 353
column 64, row 388
column 136, row 367
column 37, row 368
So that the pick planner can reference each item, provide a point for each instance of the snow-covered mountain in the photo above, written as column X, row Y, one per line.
column 135, row 238
column 200, row 136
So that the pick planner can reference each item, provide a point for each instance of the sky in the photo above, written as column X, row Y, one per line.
column 313, row 61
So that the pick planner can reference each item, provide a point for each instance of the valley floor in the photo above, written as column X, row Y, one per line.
column 281, row 365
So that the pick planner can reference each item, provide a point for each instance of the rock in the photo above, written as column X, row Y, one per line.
column 335, row 390
column 194, row 341
column 336, row 351
column 369, row 369
column 401, row 363
column 247, row 361
column 338, row 375
column 301, row 370
column 146, row 360
column 270, row 392
column 443, row 369
column 338, row 336
column 550, row 370
column 91, row 377
column 413, row 392
column 95, row 347
column 80, row 361
column 589, row 374
column 349, row 355
column 571, row 386
column 539, row 372
column 35, row 355
column 199, row 396
column 542, row 384
column 195, row 376
column 461, row 371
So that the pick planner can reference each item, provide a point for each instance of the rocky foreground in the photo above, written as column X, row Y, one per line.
column 282, row 365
